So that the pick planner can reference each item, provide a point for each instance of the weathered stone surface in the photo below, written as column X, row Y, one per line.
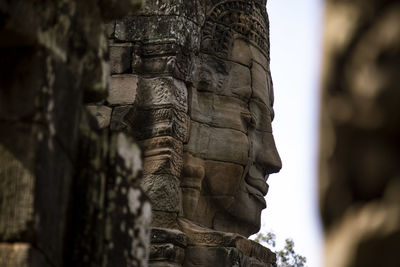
column 162, row 156
column 190, row 199
column 102, row 115
column 118, row 119
column 193, row 171
column 54, row 196
column 128, row 213
column 241, row 52
column 163, row 235
column 165, row 219
column 221, row 29
column 155, row 65
column 221, row 178
column 163, row 191
column 178, row 65
column 27, row 183
column 200, row 236
column 219, row 111
column 17, row 196
column 254, row 249
column 207, row 208
column 29, row 100
column 243, row 214
column 203, row 240
column 260, row 57
column 114, row 9
column 217, row 143
column 203, row 113
column 16, row 97
column 191, row 184
column 168, row 247
column 359, row 181
column 181, row 8
column 220, row 256
column 149, row 123
column 21, row 255
column 86, row 238
column 261, row 85
column 163, row 264
column 14, row 255
column 163, row 58
column 222, row 77
column 120, row 58
column 122, row 89
column 165, row 28
column 261, row 116
column 111, row 213
column 246, row 53
column 161, row 92
column 127, row 236
column 109, row 29
column 166, row 252
column 264, row 152
column 156, row 145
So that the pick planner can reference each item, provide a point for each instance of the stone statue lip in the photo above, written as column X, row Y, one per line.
column 254, row 192
column 257, row 180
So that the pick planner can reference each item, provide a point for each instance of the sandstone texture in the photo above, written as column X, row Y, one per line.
column 202, row 113
column 69, row 185
column 111, row 117
column 359, row 179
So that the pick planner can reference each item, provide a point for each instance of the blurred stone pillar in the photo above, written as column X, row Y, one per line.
column 359, row 179
column 69, row 193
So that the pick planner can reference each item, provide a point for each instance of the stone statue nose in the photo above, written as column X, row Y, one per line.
column 272, row 162
column 267, row 155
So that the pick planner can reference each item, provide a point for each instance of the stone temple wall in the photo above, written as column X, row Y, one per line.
column 69, row 186
column 198, row 72
column 189, row 80
column 360, row 133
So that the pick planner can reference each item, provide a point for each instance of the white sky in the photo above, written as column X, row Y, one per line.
column 292, row 202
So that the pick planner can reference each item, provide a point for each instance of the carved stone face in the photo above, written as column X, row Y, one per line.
column 231, row 150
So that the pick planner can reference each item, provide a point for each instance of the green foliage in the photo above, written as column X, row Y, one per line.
column 286, row 257
column 268, row 239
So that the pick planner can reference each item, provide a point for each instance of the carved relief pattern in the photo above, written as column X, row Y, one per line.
column 229, row 18
column 188, row 115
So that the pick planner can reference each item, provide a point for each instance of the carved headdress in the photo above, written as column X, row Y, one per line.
column 232, row 19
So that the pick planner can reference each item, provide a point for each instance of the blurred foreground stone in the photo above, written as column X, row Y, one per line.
column 69, row 187
column 360, row 134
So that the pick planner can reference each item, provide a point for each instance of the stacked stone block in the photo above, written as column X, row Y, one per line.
column 149, row 50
